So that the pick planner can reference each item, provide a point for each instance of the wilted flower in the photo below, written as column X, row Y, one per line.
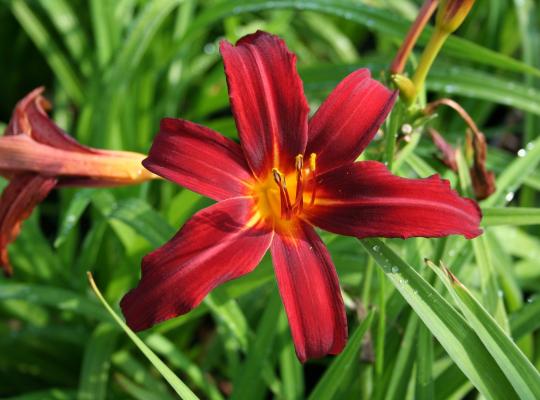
column 483, row 181
column 287, row 176
column 36, row 156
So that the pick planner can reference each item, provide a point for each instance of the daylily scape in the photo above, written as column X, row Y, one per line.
column 289, row 174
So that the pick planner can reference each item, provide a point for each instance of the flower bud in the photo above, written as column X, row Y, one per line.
column 407, row 89
column 452, row 13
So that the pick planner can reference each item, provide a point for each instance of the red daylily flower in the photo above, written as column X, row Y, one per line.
column 37, row 156
column 286, row 176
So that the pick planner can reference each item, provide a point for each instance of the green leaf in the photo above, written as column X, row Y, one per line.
column 479, row 85
column 445, row 323
column 378, row 20
column 62, row 299
column 179, row 387
column 514, row 175
column 523, row 376
column 526, row 320
column 247, row 381
column 335, row 374
column 96, row 363
column 76, row 207
column 142, row 218
column 510, row 216
column 46, row 44
column 424, row 365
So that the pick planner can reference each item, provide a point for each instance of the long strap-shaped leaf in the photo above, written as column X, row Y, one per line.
column 515, row 365
column 447, row 325
column 334, row 375
column 179, row 387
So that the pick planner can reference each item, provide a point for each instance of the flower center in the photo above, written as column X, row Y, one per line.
column 283, row 196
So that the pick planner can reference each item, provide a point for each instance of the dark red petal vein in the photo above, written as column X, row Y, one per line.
column 267, row 100
column 219, row 243
column 309, row 288
column 349, row 118
column 365, row 200
column 199, row 159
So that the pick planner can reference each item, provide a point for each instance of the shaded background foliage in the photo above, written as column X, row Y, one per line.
column 114, row 68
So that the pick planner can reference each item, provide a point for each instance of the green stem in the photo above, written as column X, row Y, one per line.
column 428, row 57
column 366, row 288
column 391, row 134
column 381, row 326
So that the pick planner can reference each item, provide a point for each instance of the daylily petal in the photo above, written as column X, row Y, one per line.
column 18, row 200
column 219, row 243
column 309, row 288
column 267, row 100
column 365, row 200
column 30, row 118
column 199, row 159
column 349, row 118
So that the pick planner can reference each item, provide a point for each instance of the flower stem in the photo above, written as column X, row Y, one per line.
column 427, row 10
column 428, row 57
column 391, row 134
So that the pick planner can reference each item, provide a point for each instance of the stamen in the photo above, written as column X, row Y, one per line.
column 299, row 196
column 313, row 169
column 286, row 207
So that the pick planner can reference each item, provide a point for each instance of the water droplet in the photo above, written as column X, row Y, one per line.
column 406, row 129
column 530, row 146
column 522, row 153
column 209, row 48
column 452, row 253
column 530, row 300
column 311, row 248
column 376, row 248
column 500, row 293
column 509, row 196
column 449, row 88
column 395, row 269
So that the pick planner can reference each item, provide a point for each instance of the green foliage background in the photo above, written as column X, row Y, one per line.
column 114, row 68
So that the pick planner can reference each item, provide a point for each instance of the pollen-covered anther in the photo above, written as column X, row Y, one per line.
column 286, row 208
column 313, row 170
column 299, row 196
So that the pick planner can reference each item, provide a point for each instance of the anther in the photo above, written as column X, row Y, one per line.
column 286, row 207
column 312, row 162
column 299, row 196
column 313, row 169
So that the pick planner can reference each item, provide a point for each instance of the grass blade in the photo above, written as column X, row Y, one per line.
column 494, row 216
column 334, row 375
column 96, row 363
column 179, row 387
column 520, row 372
column 445, row 323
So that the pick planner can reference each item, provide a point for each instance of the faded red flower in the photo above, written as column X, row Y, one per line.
column 36, row 156
column 287, row 176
